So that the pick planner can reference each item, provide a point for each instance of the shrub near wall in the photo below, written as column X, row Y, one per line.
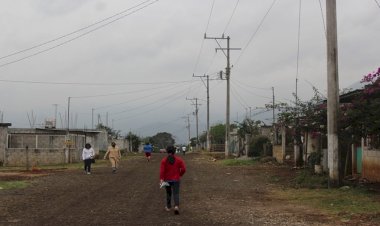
column 256, row 147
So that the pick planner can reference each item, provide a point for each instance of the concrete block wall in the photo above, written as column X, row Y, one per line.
column 371, row 164
column 40, row 157
column 3, row 141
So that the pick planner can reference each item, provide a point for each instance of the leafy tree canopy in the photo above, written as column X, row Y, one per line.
column 111, row 132
column 162, row 139
column 134, row 141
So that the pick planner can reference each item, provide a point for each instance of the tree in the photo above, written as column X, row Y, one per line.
column 162, row 139
column 134, row 141
column 217, row 134
column 111, row 132
column 363, row 116
column 248, row 126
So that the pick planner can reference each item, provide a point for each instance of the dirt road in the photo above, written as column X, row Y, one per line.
column 210, row 195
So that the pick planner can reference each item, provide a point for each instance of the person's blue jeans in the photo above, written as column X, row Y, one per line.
column 172, row 190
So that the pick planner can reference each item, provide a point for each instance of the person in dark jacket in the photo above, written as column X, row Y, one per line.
column 171, row 170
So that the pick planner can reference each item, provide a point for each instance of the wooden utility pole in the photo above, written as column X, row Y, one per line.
column 332, row 93
column 228, row 74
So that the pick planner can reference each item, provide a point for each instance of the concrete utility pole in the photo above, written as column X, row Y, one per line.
column 208, row 143
column 332, row 93
column 188, row 128
column 274, row 121
column 55, row 115
column 68, row 142
column 196, row 118
column 228, row 74
column 92, row 118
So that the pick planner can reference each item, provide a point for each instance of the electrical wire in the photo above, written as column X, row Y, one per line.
column 134, row 100
column 378, row 4
column 238, row 98
column 253, row 87
column 151, row 103
column 94, row 84
column 254, row 33
column 152, row 109
column 71, row 33
column 112, row 94
column 203, row 40
column 323, row 17
column 77, row 37
column 255, row 94
column 233, row 13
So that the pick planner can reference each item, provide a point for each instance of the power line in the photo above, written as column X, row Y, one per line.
column 323, row 18
column 233, row 12
column 151, row 103
column 94, row 84
column 151, row 109
column 253, row 87
column 134, row 100
column 255, row 94
column 71, row 33
column 378, row 4
column 77, row 37
column 257, row 29
column 201, row 48
column 109, row 94
column 238, row 98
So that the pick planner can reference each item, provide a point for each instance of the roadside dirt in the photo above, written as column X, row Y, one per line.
column 211, row 194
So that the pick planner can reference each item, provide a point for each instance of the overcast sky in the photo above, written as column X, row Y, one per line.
column 133, row 60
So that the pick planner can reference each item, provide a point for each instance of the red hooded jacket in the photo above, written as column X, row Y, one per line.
column 169, row 172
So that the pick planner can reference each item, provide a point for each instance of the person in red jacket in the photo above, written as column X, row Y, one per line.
column 171, row 170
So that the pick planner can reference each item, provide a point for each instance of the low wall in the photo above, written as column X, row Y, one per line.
column 371, row 165
column 38, row 157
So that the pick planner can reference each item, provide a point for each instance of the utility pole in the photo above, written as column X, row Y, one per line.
column 228, row 74
column 188, row 127
column 332, row 93
column 196, row 116
column 92, row 118
column 55, row 115
column 208, row 143
column 68, row 142
column 274, row 121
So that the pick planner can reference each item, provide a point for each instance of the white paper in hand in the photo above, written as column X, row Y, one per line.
column 164, row 184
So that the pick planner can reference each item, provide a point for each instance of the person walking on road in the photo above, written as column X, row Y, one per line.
column 171, row 170
column 114, row 156
column 88, row 154
column 148, row 151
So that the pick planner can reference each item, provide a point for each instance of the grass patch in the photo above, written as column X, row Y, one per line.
column 13, row 184
column 335, row 201
column 238, row 162
column 307, row 179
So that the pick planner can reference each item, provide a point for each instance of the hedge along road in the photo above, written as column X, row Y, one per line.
column 211, row 194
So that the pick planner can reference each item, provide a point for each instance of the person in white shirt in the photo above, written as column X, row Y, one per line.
column 88, row 154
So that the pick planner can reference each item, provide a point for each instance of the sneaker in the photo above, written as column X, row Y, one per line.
column 176, row 210
column 88, row 172
column 167, row 209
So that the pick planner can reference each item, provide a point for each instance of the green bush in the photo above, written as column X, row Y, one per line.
column 256, row 146
column 314, row 158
